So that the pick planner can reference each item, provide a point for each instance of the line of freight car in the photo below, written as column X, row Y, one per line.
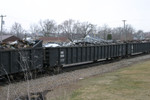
column 18, row 61
column 56, row 58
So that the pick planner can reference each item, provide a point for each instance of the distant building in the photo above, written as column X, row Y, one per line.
column 54, row 39
column 8, row 38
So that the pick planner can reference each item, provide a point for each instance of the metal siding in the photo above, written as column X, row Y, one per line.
column 124, row 49
column 95, row 52
column 134, row 48
column 117, row 49
column 115, row 53
column 74, row 54
column 5, row 62
column 122, row 46
column 53, row 56
column 148, row 46
column 15, row 63
column 88, row 53
column 92, row 53
column 0, row 64
column 69, row 58
column 111, row 51
column 38, row 58
column 120, row 50
column 66, row 56
column 1, row 71
column 143, row 48
column 108, row 51
column 25, row 60
column 130, row 48
column 139, row 47
column 114, row 50
column 84, row 54
column 98, row 52
column 103, row 53
column 79, row 54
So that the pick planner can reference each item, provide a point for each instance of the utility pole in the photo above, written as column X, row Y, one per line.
column 2, row 22
column 124, row 21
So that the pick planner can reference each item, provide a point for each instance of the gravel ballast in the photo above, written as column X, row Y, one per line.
column 12, row 91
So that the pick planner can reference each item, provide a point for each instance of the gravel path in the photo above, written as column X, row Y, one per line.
column 12, row 91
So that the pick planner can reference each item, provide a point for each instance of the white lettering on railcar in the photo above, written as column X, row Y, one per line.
column 62, row 57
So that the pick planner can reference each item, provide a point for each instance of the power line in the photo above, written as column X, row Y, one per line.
column 2, row 23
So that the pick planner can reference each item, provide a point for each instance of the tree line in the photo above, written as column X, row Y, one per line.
column 73, row 29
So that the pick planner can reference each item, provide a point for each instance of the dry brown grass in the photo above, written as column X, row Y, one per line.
column 132, row 83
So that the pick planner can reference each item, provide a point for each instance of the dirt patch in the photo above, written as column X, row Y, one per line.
column 62, row 92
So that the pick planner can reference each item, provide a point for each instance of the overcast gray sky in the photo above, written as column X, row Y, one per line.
column 99, row 12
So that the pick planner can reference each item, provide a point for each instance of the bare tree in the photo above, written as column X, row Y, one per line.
column 129, row 31
column 117, row 33
column 17, row 30
column 104, row 31
column 74, row 29
column 58, row 30
column 67, row 27
column 35, row 30
column 48, row 27
column 87, row 28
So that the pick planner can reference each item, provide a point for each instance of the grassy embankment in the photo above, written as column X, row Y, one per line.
column 131, row 83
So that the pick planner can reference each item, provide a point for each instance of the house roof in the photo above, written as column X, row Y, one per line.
column 8, row 38
column 54, row 39
column 3, row 37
